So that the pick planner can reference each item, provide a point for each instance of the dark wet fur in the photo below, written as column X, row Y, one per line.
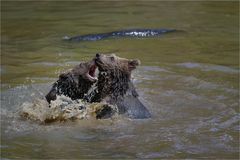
column 67, row 86
column 111, row 82
column 74, row 84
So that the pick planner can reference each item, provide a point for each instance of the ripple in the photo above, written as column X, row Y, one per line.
column 208, row 67
column 46, row 64
column 154, row 69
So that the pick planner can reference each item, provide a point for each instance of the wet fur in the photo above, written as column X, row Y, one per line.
column 73, row 84
column 114, row 86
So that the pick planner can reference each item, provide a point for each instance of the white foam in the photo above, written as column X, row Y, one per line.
column 62, row 109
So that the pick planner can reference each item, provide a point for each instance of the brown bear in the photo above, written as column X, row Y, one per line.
column 114, row 85
column 75, row 83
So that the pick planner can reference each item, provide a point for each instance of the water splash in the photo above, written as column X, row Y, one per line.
column 63, row 109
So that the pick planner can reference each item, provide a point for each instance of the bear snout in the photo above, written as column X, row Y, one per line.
column 135, row 62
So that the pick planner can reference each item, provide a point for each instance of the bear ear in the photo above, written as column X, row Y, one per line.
column 63, row 75
column 132, row 64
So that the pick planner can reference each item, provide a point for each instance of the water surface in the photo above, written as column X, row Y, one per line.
column 189, row 81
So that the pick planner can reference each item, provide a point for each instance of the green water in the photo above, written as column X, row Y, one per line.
column 189, row 80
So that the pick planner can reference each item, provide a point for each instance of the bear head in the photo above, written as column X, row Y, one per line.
column 113, row 62
column 114, row 76
column 74, row 83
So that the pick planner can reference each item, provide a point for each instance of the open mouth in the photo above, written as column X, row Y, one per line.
column 91, row 75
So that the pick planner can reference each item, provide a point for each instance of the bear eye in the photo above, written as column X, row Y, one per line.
column 112, row 58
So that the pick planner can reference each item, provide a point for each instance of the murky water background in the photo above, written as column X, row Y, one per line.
column 189, row 81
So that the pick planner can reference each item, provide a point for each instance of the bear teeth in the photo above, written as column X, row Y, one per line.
column 93, row 79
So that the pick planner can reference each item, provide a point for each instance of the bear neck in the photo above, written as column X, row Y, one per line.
column 113, row 83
